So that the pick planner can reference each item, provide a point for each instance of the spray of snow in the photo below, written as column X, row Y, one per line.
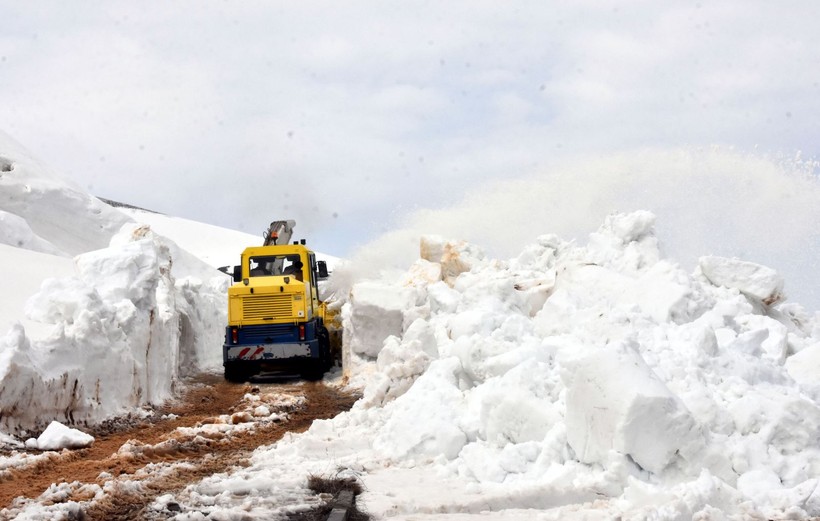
column 708, row 201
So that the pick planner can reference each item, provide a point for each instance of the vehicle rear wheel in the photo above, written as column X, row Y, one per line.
column 326, row 358
column 321, row 365
column 236, row 373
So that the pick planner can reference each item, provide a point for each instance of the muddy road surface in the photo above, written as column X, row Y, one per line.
column 212, row 428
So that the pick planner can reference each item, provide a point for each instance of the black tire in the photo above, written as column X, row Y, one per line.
column 325, row 358
column 236, row 373
column 321, row 365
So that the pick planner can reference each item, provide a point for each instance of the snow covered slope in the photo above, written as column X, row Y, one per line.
column 47, row 211
column 212, row 244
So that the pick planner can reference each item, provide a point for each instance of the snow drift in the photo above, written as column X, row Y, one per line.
column 45, row 211
column 596, row 381
column 103, row 334
column 124, row 330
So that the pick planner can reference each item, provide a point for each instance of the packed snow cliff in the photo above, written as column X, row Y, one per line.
column 104, row 332
column 597, row 380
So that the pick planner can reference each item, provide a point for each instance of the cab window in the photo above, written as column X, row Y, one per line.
column 275, row 265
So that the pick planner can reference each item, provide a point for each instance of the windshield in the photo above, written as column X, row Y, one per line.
column 272, row 265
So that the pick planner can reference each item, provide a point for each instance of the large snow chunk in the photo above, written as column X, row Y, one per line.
column 629, row 227
column 804, row 367
column 400, row 363
column 616, row 402
column 57, row 436
column 376, row 312
column 435, row 398
column 455, row 257
column 761, row 283
column 625, row 242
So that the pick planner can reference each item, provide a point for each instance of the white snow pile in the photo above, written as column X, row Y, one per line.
column 58, row 436
column 123, row 331
column 103, row 334
column 594, row 382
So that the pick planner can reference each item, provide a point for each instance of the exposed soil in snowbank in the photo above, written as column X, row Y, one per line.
column 214, row 427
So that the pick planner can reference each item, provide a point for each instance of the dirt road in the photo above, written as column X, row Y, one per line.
column 214, row 427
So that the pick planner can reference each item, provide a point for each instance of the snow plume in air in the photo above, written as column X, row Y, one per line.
column 708, row 201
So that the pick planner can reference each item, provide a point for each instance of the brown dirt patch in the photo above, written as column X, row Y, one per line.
column 211, row 396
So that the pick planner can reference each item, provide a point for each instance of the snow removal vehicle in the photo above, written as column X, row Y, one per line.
column 275, row 317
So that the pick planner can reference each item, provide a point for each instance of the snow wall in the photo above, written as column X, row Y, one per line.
column 139, row 312
column 124, row 331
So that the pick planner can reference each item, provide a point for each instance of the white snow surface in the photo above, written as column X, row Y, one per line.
column 213, row 245
column 570, row 382
column 53, row 214
column 199, row 238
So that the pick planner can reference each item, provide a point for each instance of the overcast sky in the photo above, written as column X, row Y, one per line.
column 347, row 116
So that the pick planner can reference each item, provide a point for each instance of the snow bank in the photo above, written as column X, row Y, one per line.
column 23, row 273
column 109, row 330
column 598, row 381
column 124, row 328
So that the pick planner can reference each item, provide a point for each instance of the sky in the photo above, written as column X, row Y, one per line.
column 350, row 118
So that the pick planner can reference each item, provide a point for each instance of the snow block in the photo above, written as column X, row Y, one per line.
column 455, row 257
column 424, row 422
column 376, row 312
column 753, row 280
column 615, row 402
column 625, row 242
column 804, row 367
column 629, row 227
column 57, row 436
